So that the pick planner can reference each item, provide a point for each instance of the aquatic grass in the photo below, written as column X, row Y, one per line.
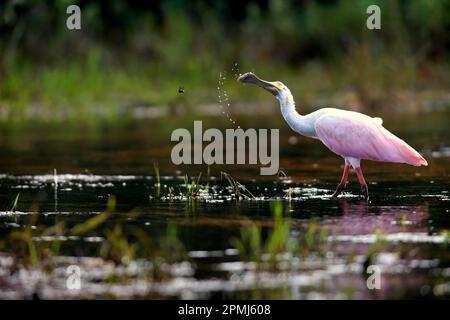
column 171, row 245
column 280, row 241
column 21, row 244
column 323, row 234
column 249, row 243
column 94, row 222
column 57, row 230
column 168, row 250
column 14, row 203
column 279, row 245
column 233, row 184
column 116, row 246
column 208, row 175
column 239, row 190
column 192, row 188
column 310, row 235
column 266, row 253
column 27, row 237
column 121, row 245
column 313, row 239
column 281, row 174
column 13, row 206
column 375, row 248
column 288, row 193
column 170, row 193
column 37, row 247
column 190, row 209
column 158, row 179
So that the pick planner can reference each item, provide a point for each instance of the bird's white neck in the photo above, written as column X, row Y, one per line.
column 297, row 122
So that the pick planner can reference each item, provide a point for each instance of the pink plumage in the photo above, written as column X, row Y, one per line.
column 355, row 135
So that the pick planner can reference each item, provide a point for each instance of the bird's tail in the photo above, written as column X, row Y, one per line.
column 403, row 152
column 411, row 156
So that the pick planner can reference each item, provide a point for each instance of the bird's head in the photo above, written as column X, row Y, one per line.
column 276, row 88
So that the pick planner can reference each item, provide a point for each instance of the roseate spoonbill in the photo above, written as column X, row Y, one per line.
column 351, row 135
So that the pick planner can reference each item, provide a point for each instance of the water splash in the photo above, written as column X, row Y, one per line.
column 222, row 94
column 235, row 70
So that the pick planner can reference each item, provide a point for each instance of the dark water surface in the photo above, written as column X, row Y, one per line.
column 163, row 246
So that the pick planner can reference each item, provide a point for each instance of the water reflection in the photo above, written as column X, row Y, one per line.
column 361, row 217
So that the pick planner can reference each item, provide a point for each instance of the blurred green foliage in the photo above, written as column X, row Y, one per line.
column 129, row 52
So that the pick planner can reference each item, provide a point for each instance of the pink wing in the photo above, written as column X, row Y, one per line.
column 351, row 134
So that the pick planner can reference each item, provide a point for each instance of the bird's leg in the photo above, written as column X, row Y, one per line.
column 343, row 183
column 362, row 182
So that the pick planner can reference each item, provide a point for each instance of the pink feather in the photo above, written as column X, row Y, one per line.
column 351, row 134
